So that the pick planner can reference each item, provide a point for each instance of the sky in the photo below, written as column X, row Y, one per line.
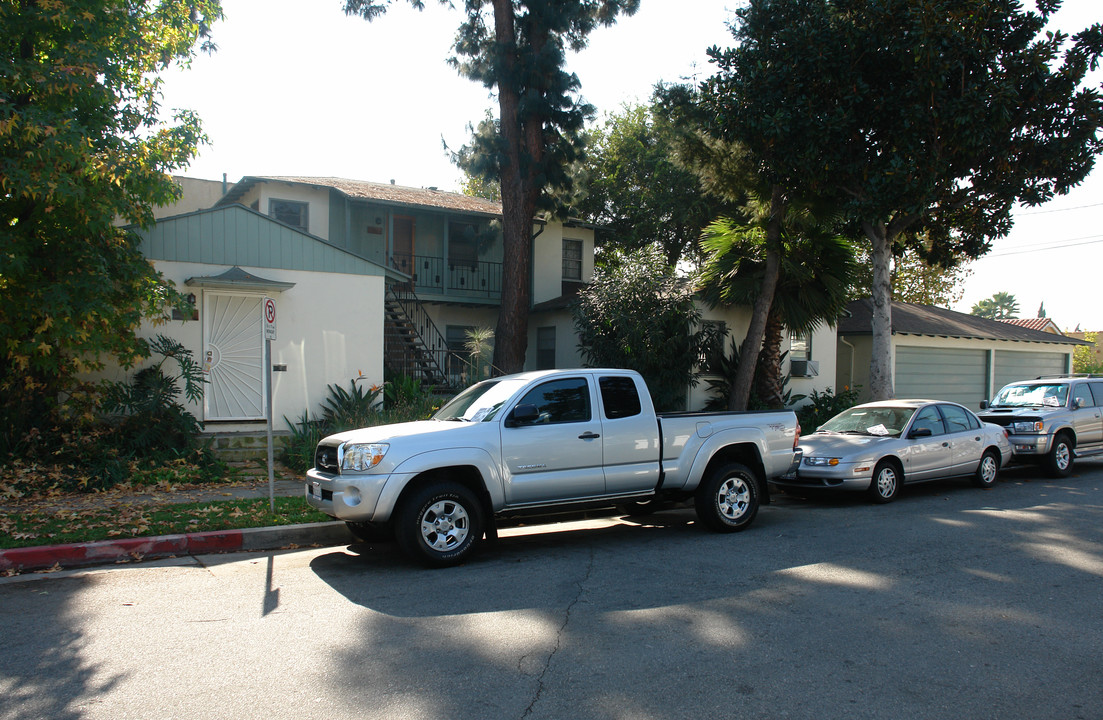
column 298, row 88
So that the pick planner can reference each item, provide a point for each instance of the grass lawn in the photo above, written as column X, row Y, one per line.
column 28, row 526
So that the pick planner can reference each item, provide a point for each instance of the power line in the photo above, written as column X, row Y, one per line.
column 1086, row 240
column 1043, row 212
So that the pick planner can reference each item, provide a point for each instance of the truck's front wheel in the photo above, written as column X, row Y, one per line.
column 727, row 498
column 439, row 524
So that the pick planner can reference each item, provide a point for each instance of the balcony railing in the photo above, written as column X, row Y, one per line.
column 437, row 276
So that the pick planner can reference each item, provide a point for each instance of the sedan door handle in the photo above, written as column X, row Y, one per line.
column 588, row 436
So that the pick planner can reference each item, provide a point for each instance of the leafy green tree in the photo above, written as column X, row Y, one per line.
column 640, row 315
column 1085, row 358
column 637, row 191
column 926, row 121
column 914, row 280
column 517, row 48
column 1001, row 306
column 82, row 144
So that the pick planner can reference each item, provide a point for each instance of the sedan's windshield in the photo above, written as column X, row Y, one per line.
column 880, row 421
column 479, row 403
column 1032, row 395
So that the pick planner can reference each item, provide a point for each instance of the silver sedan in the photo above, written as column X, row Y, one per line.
column 880, row 446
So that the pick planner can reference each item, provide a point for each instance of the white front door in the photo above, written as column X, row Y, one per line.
column 233, row 358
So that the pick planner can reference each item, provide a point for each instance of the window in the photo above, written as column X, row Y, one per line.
column 545, row 348
column 1081, row 392
column 289, row 212
column 1097, row 392
column 800, row 346
column 929, row 418
column 463, row 244
column 560, row 401
column 958, row 419
column 572, row 260
column 455, row 336
column 714, row 335
column 619, row 397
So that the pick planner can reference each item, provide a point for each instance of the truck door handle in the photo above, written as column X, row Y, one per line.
column 588, row 436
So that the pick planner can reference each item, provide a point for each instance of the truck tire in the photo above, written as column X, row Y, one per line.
column 1059, row 460
column 727, row 498
column 440, row 524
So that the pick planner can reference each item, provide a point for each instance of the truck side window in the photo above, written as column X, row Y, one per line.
column 619, row 397
column 560, row 401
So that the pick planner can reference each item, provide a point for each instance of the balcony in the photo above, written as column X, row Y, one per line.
column 466, row 279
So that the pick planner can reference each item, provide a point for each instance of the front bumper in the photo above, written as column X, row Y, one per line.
column 1029, row 445
column 352, row 498
column 839, row 477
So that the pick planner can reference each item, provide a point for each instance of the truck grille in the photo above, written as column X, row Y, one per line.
column 327, row 459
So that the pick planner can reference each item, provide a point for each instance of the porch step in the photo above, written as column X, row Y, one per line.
column 236, row 447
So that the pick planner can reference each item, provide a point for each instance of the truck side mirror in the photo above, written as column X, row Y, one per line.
column 523, row 415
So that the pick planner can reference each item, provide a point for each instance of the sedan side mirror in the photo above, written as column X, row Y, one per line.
column 983, row 404
column 523, row 415
column 920, row 432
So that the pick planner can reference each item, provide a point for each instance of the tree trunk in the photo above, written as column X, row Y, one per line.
column 880, row 362
column 748, row 351
column 518, row 207
column 769, row 382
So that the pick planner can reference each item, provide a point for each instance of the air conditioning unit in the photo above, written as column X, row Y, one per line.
column 804, row 368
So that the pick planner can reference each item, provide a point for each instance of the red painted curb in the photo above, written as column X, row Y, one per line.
column 107, row 551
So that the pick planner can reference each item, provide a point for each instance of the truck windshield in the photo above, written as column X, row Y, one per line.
column 479, row 403
column 1033, row 395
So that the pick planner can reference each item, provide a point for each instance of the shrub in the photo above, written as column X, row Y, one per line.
column 824, row 406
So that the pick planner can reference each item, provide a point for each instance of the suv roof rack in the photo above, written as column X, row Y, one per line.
column 1068, row 376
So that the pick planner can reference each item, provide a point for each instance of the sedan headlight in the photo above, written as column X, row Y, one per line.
column 359, row 458
column 821, row 461
column 1033, row 426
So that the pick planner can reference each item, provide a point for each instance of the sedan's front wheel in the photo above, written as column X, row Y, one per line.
column 886, row 482
column 988, row 471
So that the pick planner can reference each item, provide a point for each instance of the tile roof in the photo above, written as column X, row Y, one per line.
column 379, row 192
column 914, row 319
column 1033, row 323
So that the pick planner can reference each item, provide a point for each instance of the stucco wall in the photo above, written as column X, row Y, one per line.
column 317, row 339
column 547, row 269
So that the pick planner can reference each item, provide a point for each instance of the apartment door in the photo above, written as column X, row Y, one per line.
column 402, row 248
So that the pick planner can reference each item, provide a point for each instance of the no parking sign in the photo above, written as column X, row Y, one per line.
column 269, row 306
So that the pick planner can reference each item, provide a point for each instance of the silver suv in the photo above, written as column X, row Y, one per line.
column 1051, row 420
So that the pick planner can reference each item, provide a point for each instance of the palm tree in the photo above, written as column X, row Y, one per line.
column 816, row 267
column 1001, row 306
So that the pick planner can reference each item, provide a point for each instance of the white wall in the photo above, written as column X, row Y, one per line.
column 327, row 333
column 317, row 216
column 547, row 268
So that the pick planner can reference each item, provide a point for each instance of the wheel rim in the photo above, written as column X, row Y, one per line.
column 1061, row 456
column 445, row 525
column 988, row 470
column 733, row 498
column 886, row 482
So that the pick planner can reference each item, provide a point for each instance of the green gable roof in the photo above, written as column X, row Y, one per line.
column 236, row 235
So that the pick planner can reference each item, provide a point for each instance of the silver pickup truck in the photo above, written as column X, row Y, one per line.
column 1050, row 420
column 542, row 443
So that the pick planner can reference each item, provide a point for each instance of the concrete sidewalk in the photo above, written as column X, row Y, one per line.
column 30, row 559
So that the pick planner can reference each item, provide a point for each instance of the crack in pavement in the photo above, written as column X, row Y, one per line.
column 559, row 636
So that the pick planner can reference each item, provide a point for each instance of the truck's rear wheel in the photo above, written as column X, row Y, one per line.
column 439, row 524
column 727, row 498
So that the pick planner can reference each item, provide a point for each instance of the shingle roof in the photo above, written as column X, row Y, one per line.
column 379, row 192
column 914, row 319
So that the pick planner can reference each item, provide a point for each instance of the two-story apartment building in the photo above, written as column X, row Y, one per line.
column 365, row 277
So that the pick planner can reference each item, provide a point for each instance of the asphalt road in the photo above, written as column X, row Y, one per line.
column 952, row 602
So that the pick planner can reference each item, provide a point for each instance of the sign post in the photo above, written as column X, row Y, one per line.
column 269, row 312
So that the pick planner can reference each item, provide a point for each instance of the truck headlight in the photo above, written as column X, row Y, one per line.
column 1034, row 426
column 821, row 461
column 359, row 458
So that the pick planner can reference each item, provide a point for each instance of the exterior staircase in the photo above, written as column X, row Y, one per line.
column 412, row 344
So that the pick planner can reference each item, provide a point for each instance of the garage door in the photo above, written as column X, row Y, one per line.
column 953, row 374
column 1012, row 365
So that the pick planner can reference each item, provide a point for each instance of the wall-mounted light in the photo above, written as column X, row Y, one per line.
column 191, row 299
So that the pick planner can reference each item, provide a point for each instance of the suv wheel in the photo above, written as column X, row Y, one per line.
column 1059, row 459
